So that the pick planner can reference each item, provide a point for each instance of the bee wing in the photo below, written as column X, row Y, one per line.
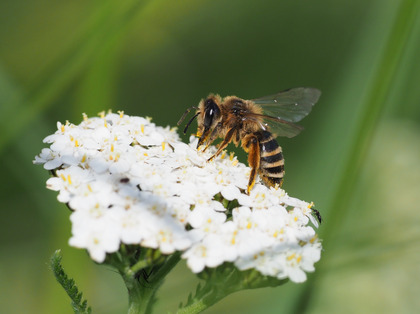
column 277, row 126
column 291, row 105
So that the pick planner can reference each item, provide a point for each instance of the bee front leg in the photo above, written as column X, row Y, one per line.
column 251, row 145
column 212, row 136
column 203, row 136
column 225, row 142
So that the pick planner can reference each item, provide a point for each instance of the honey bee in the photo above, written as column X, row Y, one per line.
column 255, row 124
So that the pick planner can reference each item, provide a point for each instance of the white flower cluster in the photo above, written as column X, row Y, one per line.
column 130, row 181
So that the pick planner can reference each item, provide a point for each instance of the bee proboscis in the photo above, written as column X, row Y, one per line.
column 255, row 124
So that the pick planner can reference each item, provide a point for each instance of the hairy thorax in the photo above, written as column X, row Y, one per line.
column 241, row 115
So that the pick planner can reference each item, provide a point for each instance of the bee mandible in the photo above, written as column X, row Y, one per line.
column 255, row 124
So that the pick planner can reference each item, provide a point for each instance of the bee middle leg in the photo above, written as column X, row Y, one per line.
column 251, row 145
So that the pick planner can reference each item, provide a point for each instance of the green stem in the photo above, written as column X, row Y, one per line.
column 166, row 267
column 131, row 271
column 143, row 287
column 373, row 106
column 139, row 296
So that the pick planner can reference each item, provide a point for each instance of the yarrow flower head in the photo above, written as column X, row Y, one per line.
column 130, row 182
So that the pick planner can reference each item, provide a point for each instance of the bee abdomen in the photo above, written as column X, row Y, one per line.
column 271, row 160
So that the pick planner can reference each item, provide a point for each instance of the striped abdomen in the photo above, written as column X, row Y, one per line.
column 271, row 159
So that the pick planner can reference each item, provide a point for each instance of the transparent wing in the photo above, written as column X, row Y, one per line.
column 291, row 105
column 277, row 126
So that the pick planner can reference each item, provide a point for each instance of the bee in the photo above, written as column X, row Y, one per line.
column 255, row 124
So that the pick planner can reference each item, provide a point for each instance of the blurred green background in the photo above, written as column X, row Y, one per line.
column 358, row 159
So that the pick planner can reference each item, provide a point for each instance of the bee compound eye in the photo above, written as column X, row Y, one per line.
column 212, row 111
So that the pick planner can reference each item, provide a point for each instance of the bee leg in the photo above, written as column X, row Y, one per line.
column 225, row 142
column 251, row 145
column 212, row 137
column 203, row 137
column 207, row 137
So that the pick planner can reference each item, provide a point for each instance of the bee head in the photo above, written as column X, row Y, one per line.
column 209, row 116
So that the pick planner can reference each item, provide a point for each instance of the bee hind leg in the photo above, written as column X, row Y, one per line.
column 251, row 145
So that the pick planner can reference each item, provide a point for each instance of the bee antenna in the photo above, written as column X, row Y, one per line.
column 189, row 122
column 185, row 114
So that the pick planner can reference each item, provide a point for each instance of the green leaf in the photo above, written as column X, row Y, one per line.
column 79, row 305
column 222, row 281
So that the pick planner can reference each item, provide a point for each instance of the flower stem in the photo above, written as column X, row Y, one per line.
column 166, row 267
column 143, row 279
column 137, row 267
column 139, row 297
